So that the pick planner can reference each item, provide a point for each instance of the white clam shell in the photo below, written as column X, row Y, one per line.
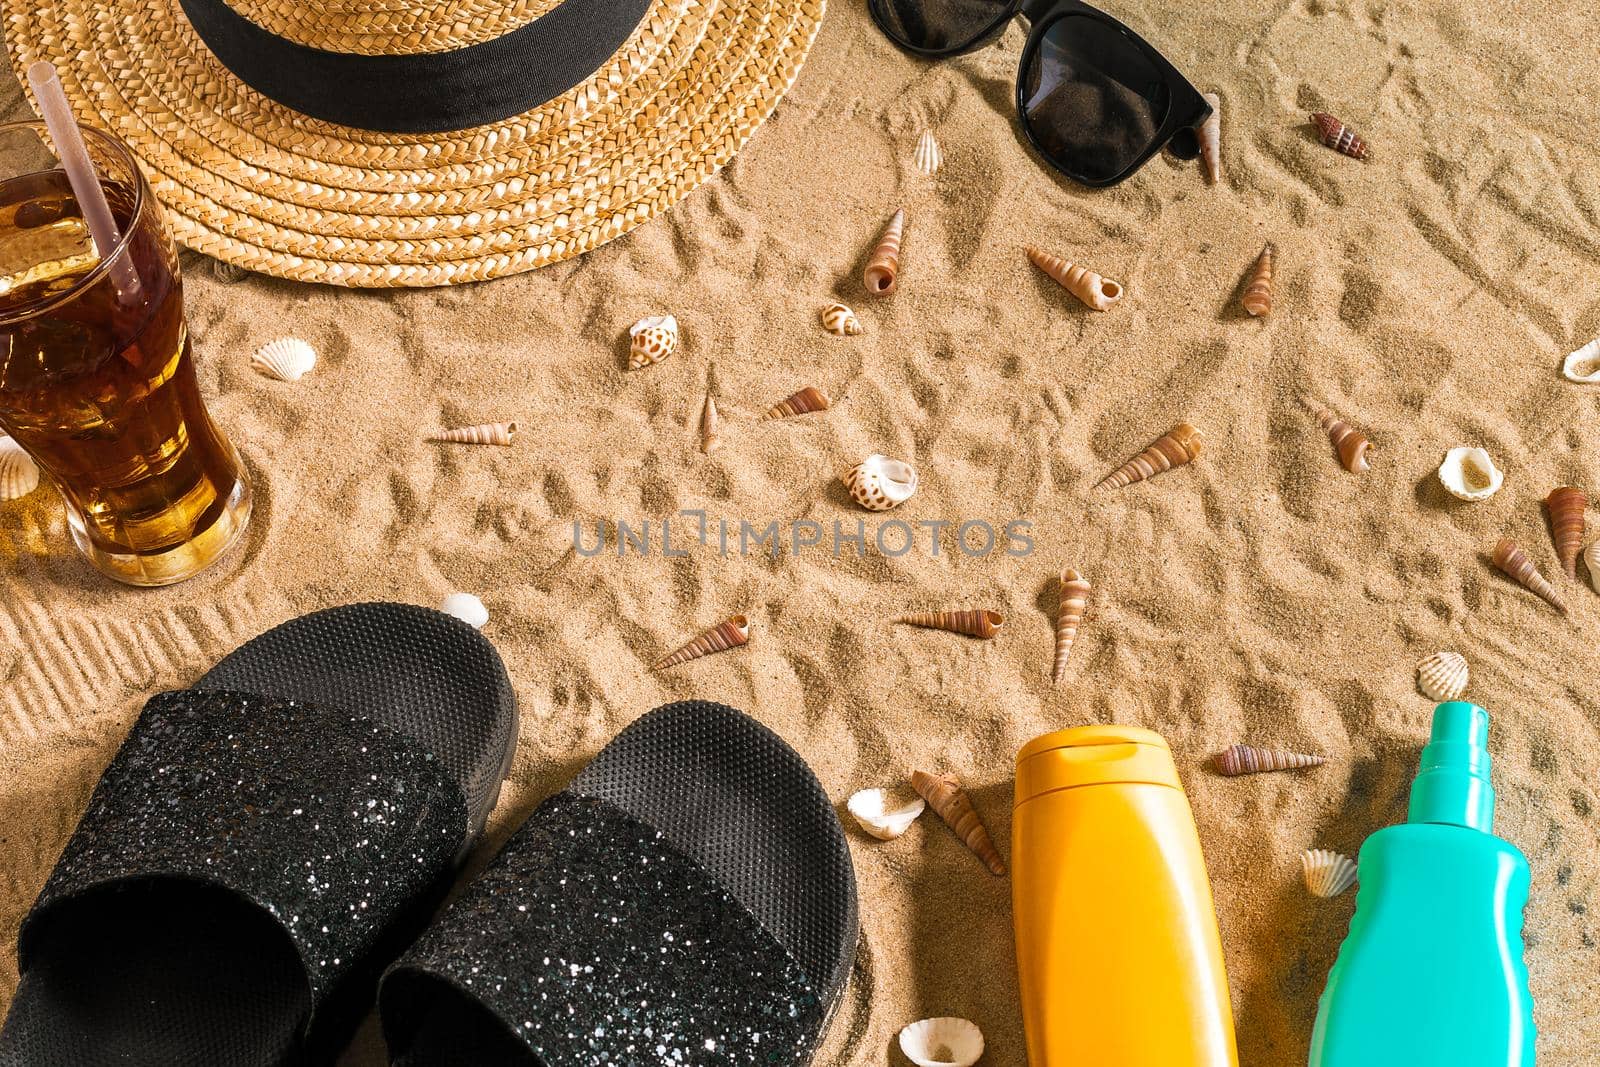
column 19, row 475
column 287, row 359
column 653, row 339
column 942, row 1042
column 1584, row 364
column 466, row 607
column 879, row 483
column 928, row 157
column 1443, row 675
column 882, row 814
column 1591, row 559
column 1327, row 873
column 1470, row 473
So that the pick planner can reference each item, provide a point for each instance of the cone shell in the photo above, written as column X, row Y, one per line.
column 1584, row 364
column 927, row 158
column 652, row 340
column 488, row 433
column 942, row 1042
column 1096, row 292
column 710, row 425
column 1566, row 507
column 1327, row 873
column 1257, row 299
column 1173, row 449
column 1248, row 759
column 730, row 633
column 19, row 474
column 1211, row 139
column 1511, row 559
column 1349, row 443
column 288, row 359
column 882, row 814
column 1470, row 473
column 974, row 623
column 1443, row 676
column 883, row 268
column 1339, row 137
column 1073, row 599
column 839, row 320
column 951, row 803
column 879, row 483
column 804, row 402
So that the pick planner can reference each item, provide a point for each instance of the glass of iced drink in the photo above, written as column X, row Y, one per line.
column 97, row 380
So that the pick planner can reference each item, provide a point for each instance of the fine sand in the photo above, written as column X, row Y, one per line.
column 1260, row 594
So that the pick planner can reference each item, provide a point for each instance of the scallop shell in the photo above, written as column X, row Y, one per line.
column 883, row 269
column 804, row 402
column 1584, row 364
column 879, row 483
column 882, row 814
column 1566, row 506
column 1072, row 599
column 1176, row 447
column 651, row 340
column 466, row 607
column 1348, row 442
column 942, row 1042
column 1470, row 473
column 951, row 803
column 1339, row 137
column 1101, row 294
column 1511, row 559
column 927, row 158
column 710, row 426
column 287, row 359
column 1257, row 298
column 485, row 433
column 1443, row 676
column 19, row 474
column 1327, row 873
column 1591, row 559
column 974, row 623
column 1211, row 139
column 729, row 633
column 1248, row 759
column 840, row 321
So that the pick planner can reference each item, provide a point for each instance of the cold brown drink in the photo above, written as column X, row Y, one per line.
column 97, row 379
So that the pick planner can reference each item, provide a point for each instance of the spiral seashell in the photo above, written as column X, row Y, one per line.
column 466, row 607
column 1211, row 139
column 882, row 815
column 1248, row 759
column 487, row 433
column 652, row 340
column 19, row 474
column 1566, row 506
column 879, row 483
column 729, row 633
column 942, row 1042
column 1470, row 473
column 710, row 426
column 1096, row 292
column 1327, row 873
column 1339, row 137
column 1512, row 560
column 1443, row 675
column 951, row 803
column 1176, row 447
column 927, row 158
column 804, row 402
column 883, row 269
column 287, row 359
column 1257, row 297
column 1584, row 364
column 1349, row 443
column 1072, row 599
column 840, row 321
column 974, row 623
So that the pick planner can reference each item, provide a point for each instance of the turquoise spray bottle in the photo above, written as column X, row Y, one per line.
column 1431, row 974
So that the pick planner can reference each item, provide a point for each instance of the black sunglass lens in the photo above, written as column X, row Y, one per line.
column 1092, row 99
column 938, row 25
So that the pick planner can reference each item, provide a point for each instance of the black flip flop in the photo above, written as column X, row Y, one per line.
column 263, row 845
column 688, row 899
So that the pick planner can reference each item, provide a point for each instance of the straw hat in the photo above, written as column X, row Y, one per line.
column 529, row 131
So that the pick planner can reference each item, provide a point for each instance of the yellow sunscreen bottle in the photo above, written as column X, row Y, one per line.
column 1117, row 944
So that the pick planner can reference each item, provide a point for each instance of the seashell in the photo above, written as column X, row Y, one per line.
column 1211, row 139
column 1257, row 298
column 927, row 158
column 228, row 273
column 19, row 474
column 882, row 815
column 466, row 607
column 951, row 803
column 839, row 320
column 1591, row 559
column 942, row 1042
column 1443, row 675
column 652, row 339
column 1584, row 364
column 710, row 426
column 1339, row 137
column 1096, row 292
column 973, row 623
column 1566, row 507
column 1176, row 447
column 804, row 402
column 883, row 269
column 1510, row 558
column 1073, row 598
column 729, row 633
column 879, row 483
column 1248, row 759
column 485, row 433
column 1470, row 473
column 287, row 359
column 1327, row 873
column 1350, row 443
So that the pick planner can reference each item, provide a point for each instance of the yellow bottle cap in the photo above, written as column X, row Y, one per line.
column 1093, row 755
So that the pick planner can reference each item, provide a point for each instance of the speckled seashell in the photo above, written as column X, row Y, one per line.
column 1072, row 598
column 1248, row 759
column 1327, row 873
column 1176, row 447
column 927, row 158
column 1470, row 473
column 840, row 321
column 287, row 359
column 710, row 426
column 1509, row 557
column 942, row 1042
column 1584, row 364
column 1096, row 292
column 1566, row 506
column 950, row 802
column 1211, row 139
column 486, row 433
column 1349, row 443
column 1257, row 298
column 978, row 622
column 466, row 607
column 729, row 633
column 1339, row 137
column 884, row 815
column 879, row 483
column 883, row 268
column 652, row 340
column 19, row 474
column 1443, row 676
column 804, row 402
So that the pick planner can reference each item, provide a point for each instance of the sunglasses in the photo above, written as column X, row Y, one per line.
column 1095, row 99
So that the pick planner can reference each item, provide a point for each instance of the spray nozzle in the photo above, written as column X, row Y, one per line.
column 1453, row 784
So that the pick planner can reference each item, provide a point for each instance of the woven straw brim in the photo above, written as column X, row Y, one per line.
column 260, row 186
